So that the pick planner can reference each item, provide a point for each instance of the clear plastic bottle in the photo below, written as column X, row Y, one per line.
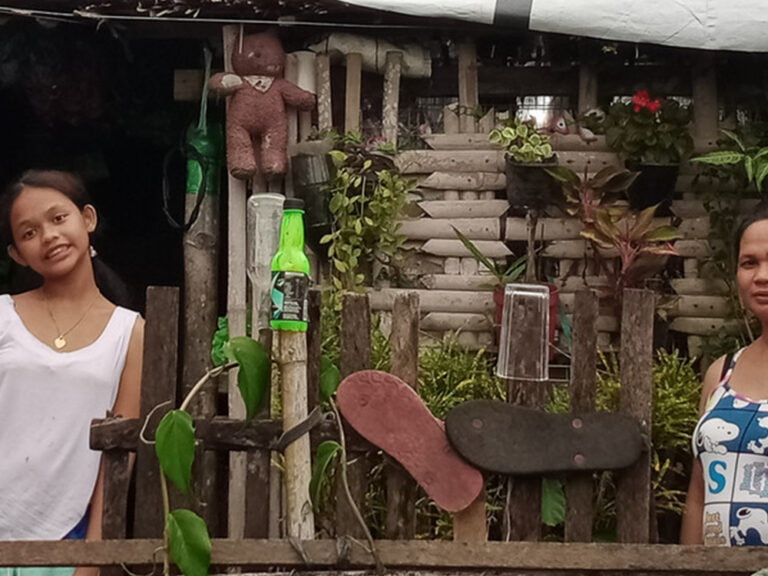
column 290, row 272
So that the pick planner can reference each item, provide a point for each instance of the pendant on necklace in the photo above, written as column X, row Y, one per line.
column 60, row 342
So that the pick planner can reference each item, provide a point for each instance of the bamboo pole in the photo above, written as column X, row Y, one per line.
column 354, row 79
column 394, row 61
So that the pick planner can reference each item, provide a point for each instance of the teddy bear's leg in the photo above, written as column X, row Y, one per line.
column 274, row 148
column 241, row 159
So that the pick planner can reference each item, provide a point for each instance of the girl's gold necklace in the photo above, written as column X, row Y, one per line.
column 60, row 342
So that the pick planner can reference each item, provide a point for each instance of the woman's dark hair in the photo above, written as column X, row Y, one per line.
column 72, row 186
column 757, row 214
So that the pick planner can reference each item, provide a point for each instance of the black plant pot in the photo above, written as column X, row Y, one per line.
column 529, row 186
column 654, row 185
column 312, row 183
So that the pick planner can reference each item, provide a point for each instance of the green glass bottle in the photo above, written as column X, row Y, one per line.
column 290, row 272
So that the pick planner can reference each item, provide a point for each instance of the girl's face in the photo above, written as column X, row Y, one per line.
column 50, row 233
column 752, row 273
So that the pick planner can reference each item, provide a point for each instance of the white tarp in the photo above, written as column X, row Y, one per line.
column 706, row 24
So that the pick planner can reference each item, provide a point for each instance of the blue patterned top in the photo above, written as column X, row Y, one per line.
column 731, row 440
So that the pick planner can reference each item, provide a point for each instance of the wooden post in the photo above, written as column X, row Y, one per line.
column 117, row 478
column 392, row 68
column 633, row 487
column 158, row 379
column 354, row 85
column 236, row 315
column 314, row 346
column 355, row 356
column 578, row 489
column 324, row 110
column 587, row 75
column 705, row 110
column 470, row 525
column 401, row 488
column 306, row 79
column 468, row 92
column 292, row 358
column 292, row 75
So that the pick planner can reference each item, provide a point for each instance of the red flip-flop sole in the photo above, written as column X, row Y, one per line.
column 389, row 414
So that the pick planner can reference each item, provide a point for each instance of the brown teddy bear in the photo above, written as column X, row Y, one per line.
column 256, row 121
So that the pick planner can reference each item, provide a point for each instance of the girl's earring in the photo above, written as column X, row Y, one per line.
column 92, row 251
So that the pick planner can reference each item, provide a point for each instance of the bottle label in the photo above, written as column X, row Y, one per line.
column 289, row 296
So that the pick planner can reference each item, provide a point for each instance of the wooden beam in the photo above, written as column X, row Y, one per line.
column 454, row 248
column 464, row 209
column 633, row 486
column 472, row 228
column 324, row 109
column 419, row 554
column 436, row 300
column 354, row 80
column 469, row 98
column 705, row 107
column 587, row 75
column 465, row 181
column 391, row 103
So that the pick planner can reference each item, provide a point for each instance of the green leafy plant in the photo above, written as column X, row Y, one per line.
column 522, row 142
column 642, row 245
column 753, row 160
column 649, row 131
column 503, row 275
column 584, row 195
column 186, row 539
column 367, row 198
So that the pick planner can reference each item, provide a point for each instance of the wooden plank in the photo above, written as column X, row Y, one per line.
column 236, row 316
column 482, row 282
column 451, row 321
column 699, row 286
column 450, row 120
column 465, row 209
column 696, row 209
column 706, row 109
column 587, row 75
column 583, row 389
column 391, row 100
column 401, row 488
column 570, row 228
column 428, row 228
column 704, row 326
column 307, row 80
column 187, row 85
column 158, row 377
column 469, row 99
column 324, row 108
column 700, row 306
column 454, row 248
column 572, row 284
column 435, row 300
column 465, row 181
column 487, row 122
column 427, row 161
column 633, row 487
column 592, row 161
column 572, row 558
column 470, row 525
column 314, row 345
column 117, row 478
column 355, row 356
column 560, row 142
column 693, row 249
column 352, row 95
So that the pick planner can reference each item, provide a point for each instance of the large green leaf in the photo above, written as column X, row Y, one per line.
column 663, row 234
column 253, row 376
column 220, row 337
column 733, row 136
column 552, row 502
column 760, row 173
column 720, row 158
column 175, row 447
column 189, row 542
column 326, row 452
column 749, row 168
column 330, row 378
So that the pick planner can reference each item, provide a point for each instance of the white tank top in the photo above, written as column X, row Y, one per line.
column 47, row 402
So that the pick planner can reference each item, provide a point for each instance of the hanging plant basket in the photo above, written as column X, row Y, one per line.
column 529, row 186
column 654, row 185
column 312, row 183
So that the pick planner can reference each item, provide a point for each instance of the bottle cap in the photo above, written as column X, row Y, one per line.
column 293, row 204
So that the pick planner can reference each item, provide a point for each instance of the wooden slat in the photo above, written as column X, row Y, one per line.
column 583, row 389
column 314, row 346
column 352, row 95
column 117, row 478
column 355, row 356
column 391, row 99
column 450, row 120
column 323, row 81
column 706, row 109
column 454, row 248
column 464, row 209
column 703, row 326
column 465, row 181
column 483, row 282
column 503, row 556
column 435, row 300
column 480, row 142
column 427, row 161
column 472, row 228
column 588, row 67
column 700, row 306
column 159, row 373
column 401, row 488
column 633, row 488
column 451, row 321
column 699, row 286
column 469, row 98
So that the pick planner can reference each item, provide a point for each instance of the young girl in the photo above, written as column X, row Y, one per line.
column 727, row 501
column 67, row 355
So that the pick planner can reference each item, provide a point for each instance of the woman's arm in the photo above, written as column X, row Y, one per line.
column 127, row 405
column 692, row 528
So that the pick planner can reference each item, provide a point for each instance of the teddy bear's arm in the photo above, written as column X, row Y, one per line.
column 225, row 83
column 295, row 96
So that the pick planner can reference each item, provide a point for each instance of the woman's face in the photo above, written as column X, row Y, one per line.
column 50, row 233
column 752, row 273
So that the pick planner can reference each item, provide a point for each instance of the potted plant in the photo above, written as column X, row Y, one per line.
column 751, row 161
column 528, row 153
column 651, row 135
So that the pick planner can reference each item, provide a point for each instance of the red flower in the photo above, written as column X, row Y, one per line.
column 654, row 106
column 641, row 99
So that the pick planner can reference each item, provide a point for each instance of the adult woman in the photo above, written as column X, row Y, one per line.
column 727, row 500
column 67, row 355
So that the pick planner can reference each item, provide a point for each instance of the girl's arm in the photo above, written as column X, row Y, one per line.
column 692, row 528
column 127, row 405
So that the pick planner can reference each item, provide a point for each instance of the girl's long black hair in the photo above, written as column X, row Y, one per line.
column 72, row 186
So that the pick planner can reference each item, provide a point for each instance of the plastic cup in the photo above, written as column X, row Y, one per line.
column 263, row 218
column 524, row 341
